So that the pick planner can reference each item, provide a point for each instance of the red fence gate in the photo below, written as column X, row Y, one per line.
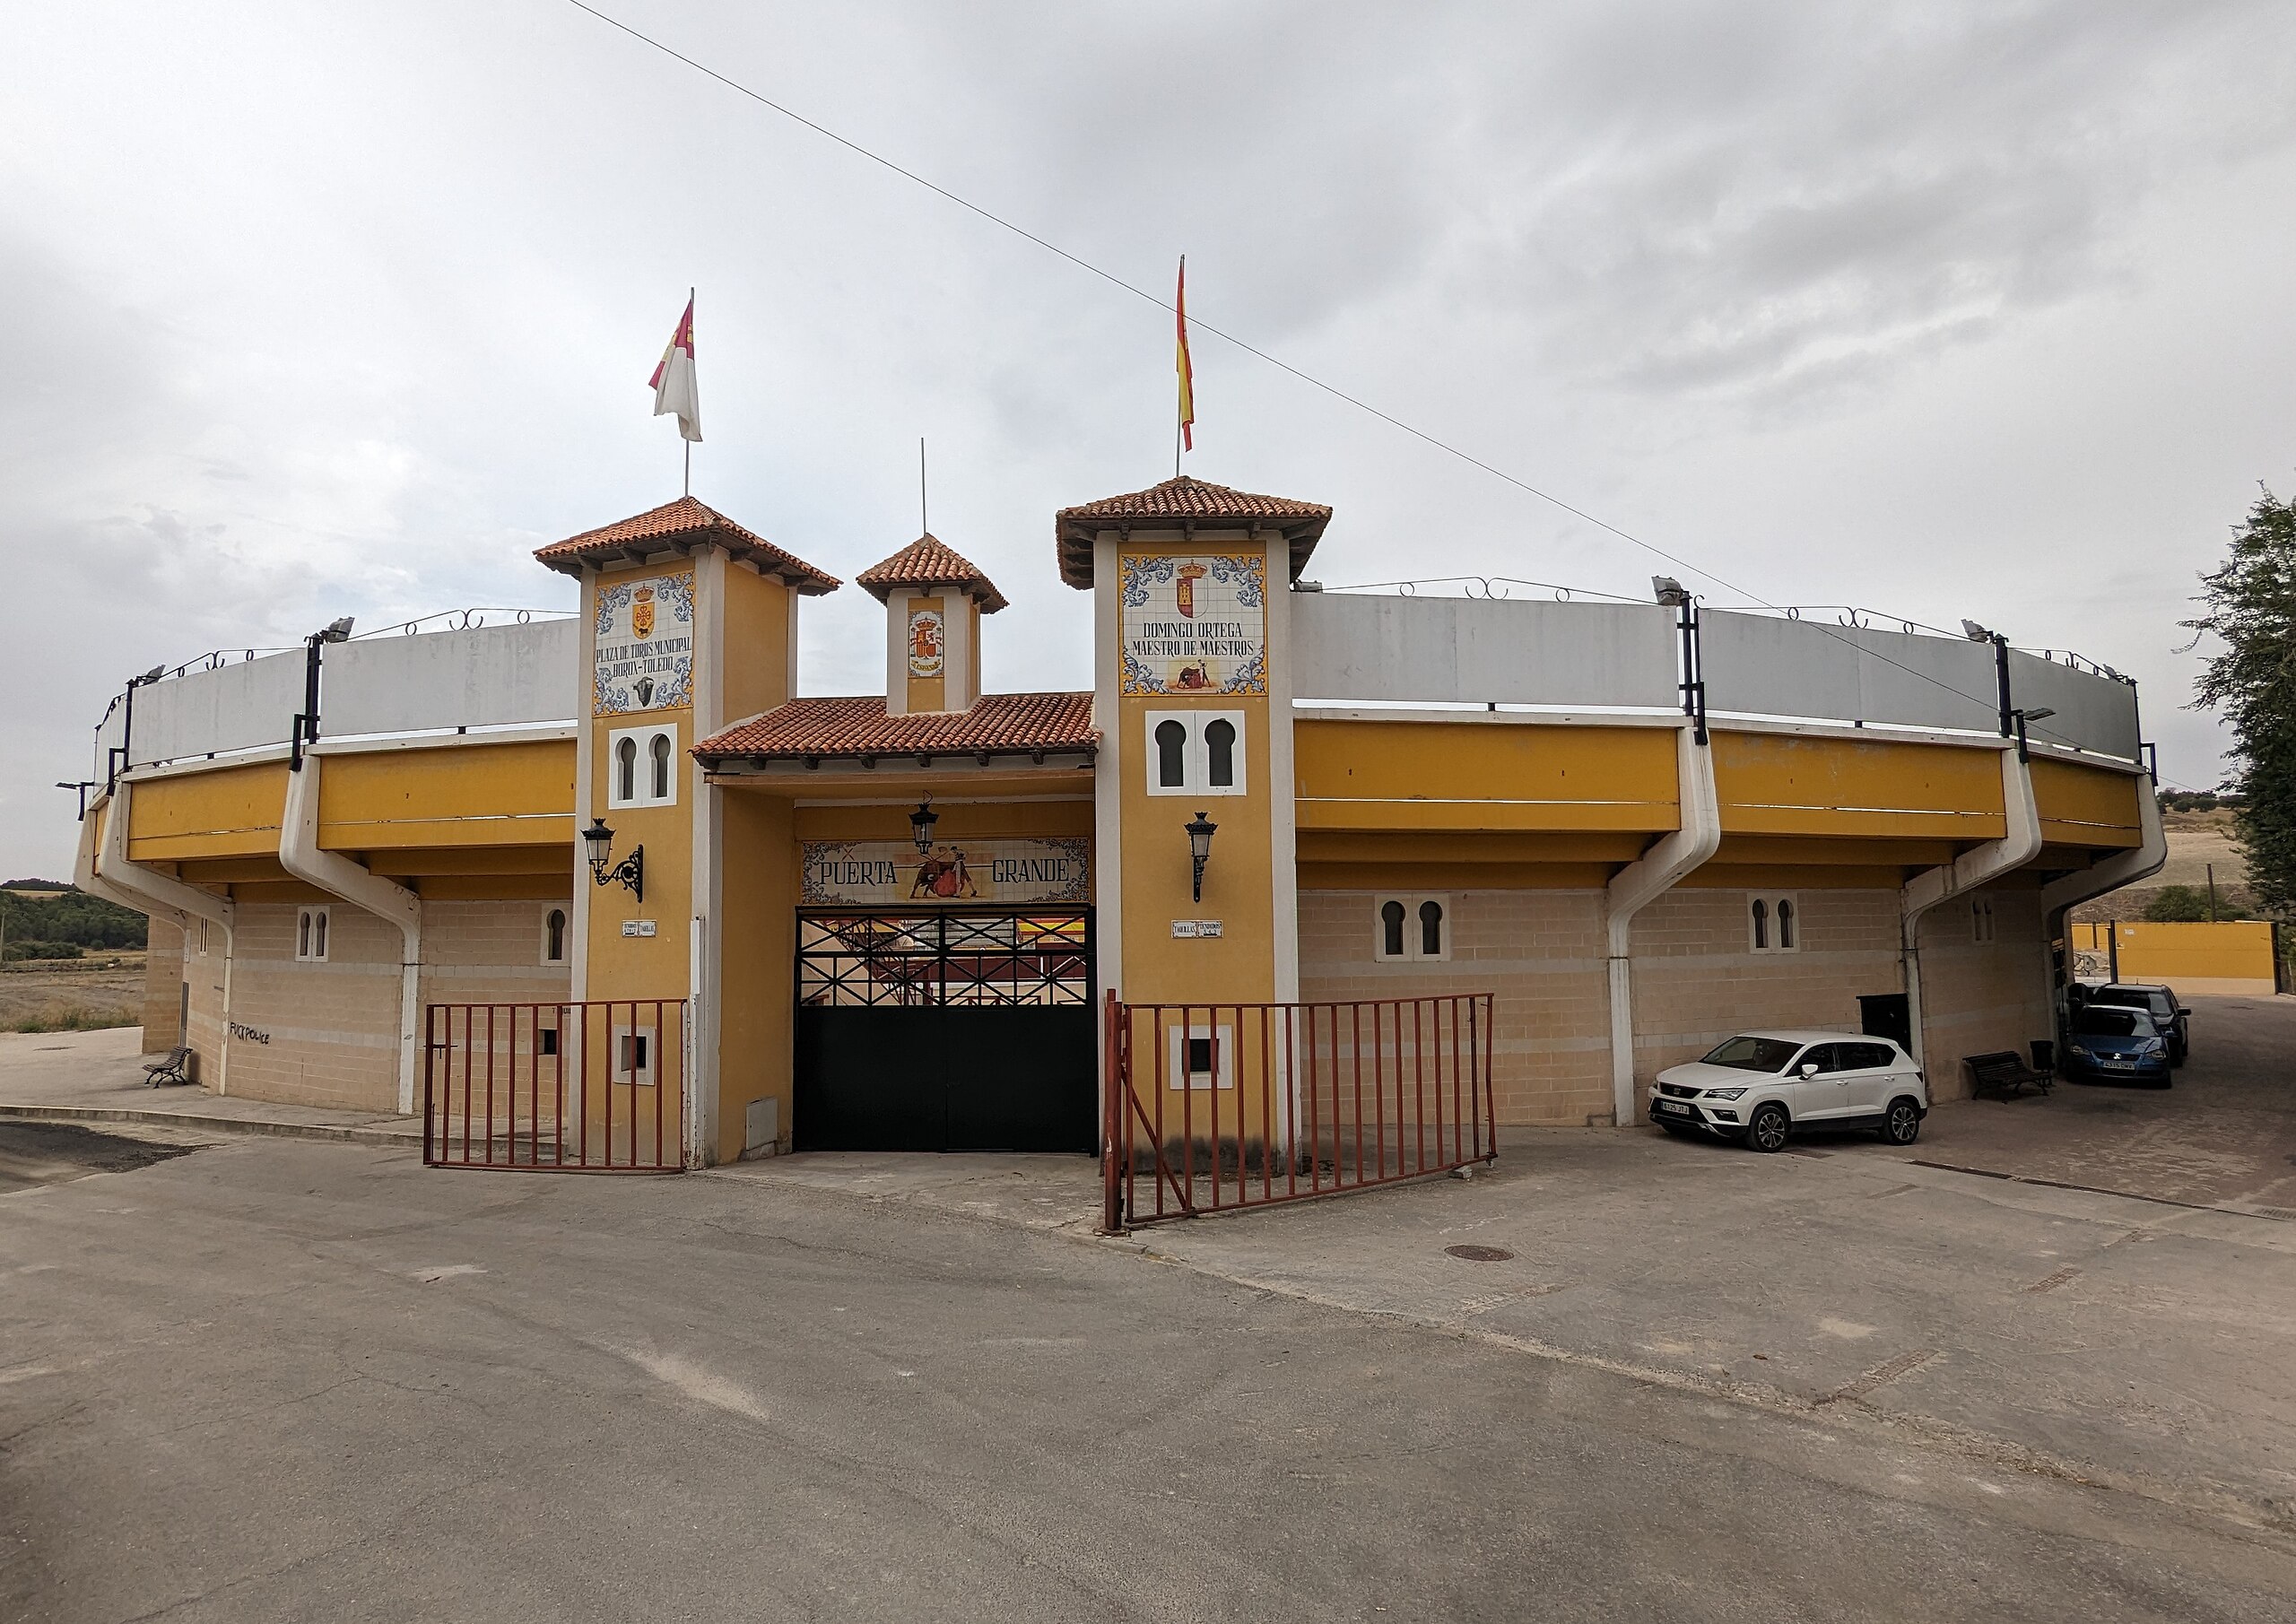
column 1213, row 1106
column 556, row 1088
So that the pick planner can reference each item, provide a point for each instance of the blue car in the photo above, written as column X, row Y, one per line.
column 2113, row 1044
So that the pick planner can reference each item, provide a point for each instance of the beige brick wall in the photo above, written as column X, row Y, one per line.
column 316, row 1034
column 1539, row 952
column 163, row 985
column 1697, row 978
column 490, row 952
column 327, row 1034
column 203, row 969
column 1980, row 997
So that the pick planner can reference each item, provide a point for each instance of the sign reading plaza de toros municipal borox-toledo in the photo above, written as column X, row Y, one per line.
column 1195, row 624
column 644, row 646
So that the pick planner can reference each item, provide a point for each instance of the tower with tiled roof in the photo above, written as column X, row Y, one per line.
column 1193, row 689
column 933, row 598
column 689, row 622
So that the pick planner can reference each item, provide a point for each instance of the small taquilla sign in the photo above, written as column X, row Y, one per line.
column 894, row 874
column 645, row 653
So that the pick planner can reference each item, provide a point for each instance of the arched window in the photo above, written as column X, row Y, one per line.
column 1172, row 754
column 625, row 766
column 661, row 767
column 554, row 936
column 1391, row 916
column 1786, row 923
column 1762, row 925
column 1219, row 744
column 1431, row 929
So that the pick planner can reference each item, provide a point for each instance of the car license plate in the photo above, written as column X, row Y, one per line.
column 1677, row 1108
column 2121, row 1065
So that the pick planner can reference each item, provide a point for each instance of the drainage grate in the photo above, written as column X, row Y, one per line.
column 2278, row 1211
column 2050, row 1282
column 1479, row 1254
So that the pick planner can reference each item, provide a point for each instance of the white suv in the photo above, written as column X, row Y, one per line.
column 1758, row 1087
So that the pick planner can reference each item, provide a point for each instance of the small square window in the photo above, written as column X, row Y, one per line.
column 546, row 1041
column 311, row 934
column 1411, row 929
column 1200, row 1054
column 634, row 1055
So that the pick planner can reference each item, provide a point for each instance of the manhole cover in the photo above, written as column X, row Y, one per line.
column 1479, row 1254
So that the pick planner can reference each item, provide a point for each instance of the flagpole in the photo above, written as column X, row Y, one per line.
column 688, row 490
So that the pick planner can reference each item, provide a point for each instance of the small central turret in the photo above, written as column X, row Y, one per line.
column 934, row 599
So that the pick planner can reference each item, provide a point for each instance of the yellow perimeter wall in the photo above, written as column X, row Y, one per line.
column 2231, row 950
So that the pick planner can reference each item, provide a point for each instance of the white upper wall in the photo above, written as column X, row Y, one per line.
column 1480, row 651
column 487, row 676
column 1626, row 656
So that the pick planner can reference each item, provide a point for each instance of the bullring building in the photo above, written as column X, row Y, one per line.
column 618, row 856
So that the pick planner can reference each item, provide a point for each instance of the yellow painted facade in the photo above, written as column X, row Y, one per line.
column 1785, row 784
column 2227, row 955
column 228, row 812
column 476, row 795
column 1463, row 777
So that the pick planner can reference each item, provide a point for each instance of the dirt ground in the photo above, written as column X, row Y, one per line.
column 2197, row 840
column 35, row 990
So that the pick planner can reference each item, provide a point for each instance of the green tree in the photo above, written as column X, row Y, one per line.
column 2183, row 904
column 2251, row 607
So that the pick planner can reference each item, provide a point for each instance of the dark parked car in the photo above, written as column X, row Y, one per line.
column 2160, row 1003
column 2116, row 1042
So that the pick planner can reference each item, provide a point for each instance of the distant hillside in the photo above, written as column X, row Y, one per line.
column 2198, row 841
column 64, row 924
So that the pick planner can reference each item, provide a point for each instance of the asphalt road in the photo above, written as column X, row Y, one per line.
column 284, row 1380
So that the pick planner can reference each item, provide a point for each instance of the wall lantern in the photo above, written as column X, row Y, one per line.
column 920, row 825
column 630, row 871
column 1200, row 830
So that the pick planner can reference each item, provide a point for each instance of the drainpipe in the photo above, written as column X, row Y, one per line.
column 103, row 869
column 1975, row 867
column 1647, row 878
column 300, row 854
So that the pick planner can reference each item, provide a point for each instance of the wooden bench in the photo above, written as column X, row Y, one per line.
column 2003, row 1075
column 173, row 1067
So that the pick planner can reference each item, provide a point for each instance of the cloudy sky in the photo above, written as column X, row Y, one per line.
column 1945, row 308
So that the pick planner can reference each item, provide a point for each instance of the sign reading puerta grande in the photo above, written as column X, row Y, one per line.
column 1195, row 624
column 644, row 638
column 893, row 872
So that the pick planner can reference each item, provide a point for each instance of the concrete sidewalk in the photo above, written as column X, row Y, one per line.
column 98, row 1077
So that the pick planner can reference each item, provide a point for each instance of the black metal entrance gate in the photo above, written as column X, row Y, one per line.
column 946, row 1029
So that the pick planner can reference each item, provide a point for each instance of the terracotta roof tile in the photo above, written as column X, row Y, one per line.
column 1183, row 502
column 929, row 562
column 676, row 527
column 1001, row 723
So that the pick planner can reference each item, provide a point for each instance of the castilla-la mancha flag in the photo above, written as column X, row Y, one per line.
column 672, row 381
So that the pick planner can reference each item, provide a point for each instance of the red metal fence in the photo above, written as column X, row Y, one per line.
column 556, row 1088
column 1210, row 1107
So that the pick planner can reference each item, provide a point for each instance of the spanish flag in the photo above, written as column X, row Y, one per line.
column 675, row 390
column 1186, row 370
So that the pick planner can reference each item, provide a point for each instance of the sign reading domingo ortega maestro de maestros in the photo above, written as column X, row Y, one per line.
column 894, row 872
column 1195, row 624
column 644, row 638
